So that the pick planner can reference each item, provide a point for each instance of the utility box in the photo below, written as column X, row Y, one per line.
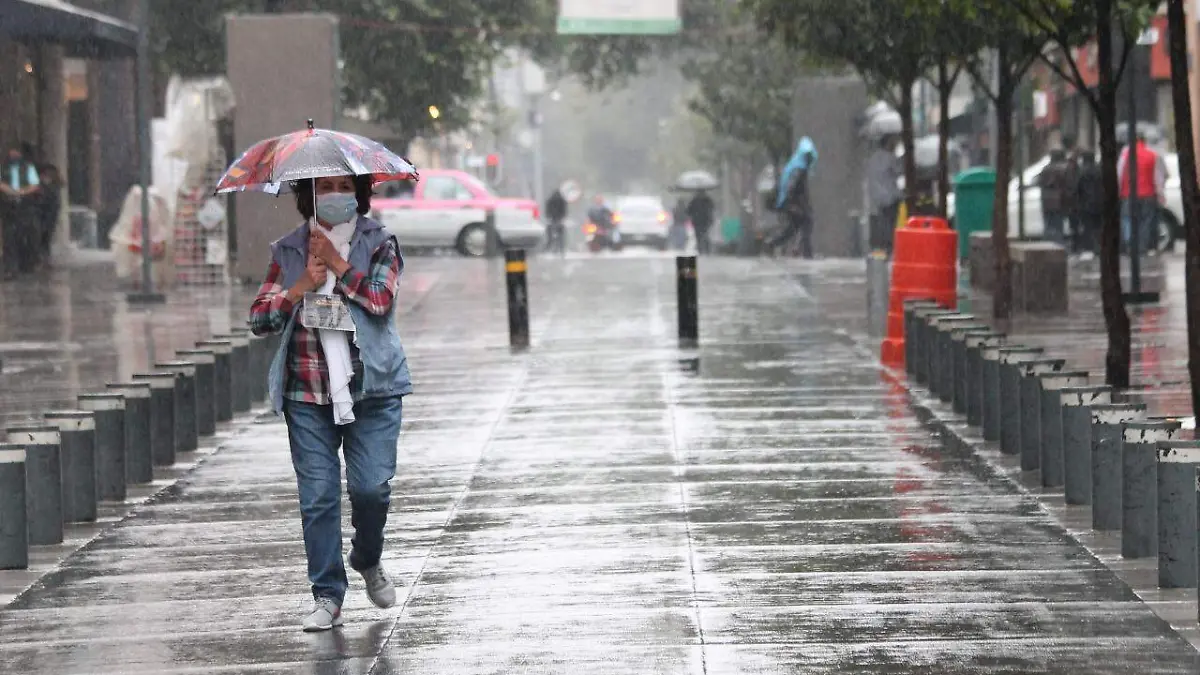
column 284, row 70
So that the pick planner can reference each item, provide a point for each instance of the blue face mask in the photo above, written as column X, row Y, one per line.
column 337, row 207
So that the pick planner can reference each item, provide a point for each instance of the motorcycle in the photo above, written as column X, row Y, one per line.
column 599, row 237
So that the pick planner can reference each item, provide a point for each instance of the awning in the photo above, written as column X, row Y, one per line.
column 84, row 33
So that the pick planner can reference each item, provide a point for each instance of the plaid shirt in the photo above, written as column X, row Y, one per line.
column 307, row 371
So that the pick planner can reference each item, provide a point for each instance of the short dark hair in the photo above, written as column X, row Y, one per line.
column 303, row 191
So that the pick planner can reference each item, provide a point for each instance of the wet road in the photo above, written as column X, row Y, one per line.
column 608, row 503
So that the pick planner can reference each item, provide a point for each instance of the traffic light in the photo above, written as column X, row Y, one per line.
column 492, row 168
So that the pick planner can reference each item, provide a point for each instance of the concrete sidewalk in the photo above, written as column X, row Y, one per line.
column 607, row 503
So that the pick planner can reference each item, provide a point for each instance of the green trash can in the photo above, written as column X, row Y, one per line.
column 731, row 232
column 974, row 196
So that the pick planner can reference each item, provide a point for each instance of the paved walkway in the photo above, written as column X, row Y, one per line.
column 609, row 504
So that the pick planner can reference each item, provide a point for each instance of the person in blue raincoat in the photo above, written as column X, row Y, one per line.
column 792, row 200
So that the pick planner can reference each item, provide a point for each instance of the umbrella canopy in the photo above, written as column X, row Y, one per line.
column 696, row 180
column 271, row 165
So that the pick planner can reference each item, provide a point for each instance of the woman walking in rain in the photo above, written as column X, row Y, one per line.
column 338, row 378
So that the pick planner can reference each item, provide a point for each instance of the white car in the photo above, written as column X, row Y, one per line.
column 1033, row 197
column 642, row 220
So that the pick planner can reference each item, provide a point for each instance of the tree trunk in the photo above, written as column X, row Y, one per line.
column 1116, row 321
column 1177, row 52
column 908, row 138
column 945, row 85
column 1002, row 291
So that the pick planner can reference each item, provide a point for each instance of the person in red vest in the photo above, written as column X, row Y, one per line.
column 1148, row 195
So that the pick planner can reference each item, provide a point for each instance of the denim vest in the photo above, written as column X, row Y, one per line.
column 385, row 367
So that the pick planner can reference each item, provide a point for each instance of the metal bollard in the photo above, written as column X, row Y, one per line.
column 910, row 317
column 976, row 344
column 878, row 271
column 1108, row 422
column 1077, row 405
column 14, row 516
column 239, row 368
column 77, row 452
column 162, row 416
column 1139, row 485
column 1029, row 407
column 927, row 331
column 108, row 411
column 1050, row 421
column 1178, row 462
column 943, row 367
column 925, row 349
column 222, row 376
column 187, row 431
column 990, row 381
column 687, row 300
column 517, row 285
column 958, row 362
column 945, row 331
column 43, row 482
column 1010, row 395
column 206, row 388
column 259, row 363
column 139, row 451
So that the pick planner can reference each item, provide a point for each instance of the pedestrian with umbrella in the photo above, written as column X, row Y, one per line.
column 701, row 210
column 340, row 373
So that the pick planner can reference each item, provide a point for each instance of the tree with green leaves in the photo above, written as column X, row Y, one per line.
column 1069, row 24
column 863, row 34
column 745, row 90
column 401, row 56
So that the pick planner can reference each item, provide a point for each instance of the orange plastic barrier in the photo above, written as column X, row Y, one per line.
column 924, row 265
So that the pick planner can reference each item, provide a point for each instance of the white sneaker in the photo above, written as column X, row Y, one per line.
column 379, row 587
column 325, row 615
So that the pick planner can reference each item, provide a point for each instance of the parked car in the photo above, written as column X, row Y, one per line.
column 448, row 209
column 1170, row 217
column 642, row 220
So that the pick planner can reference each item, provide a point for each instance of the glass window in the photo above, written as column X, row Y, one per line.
column 445, row 188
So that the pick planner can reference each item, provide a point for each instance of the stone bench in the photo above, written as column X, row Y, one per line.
column 1039, row 272
column 1039, row 277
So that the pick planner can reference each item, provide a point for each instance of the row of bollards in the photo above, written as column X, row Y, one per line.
column 58, row 471
column 517, row 289
column 1101, row 449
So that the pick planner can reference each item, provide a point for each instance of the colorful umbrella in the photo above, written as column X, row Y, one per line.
column 271, row 165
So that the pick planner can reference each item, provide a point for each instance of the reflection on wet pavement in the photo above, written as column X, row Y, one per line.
column 609, row 504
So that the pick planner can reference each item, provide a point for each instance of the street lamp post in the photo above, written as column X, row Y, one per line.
column 1136, row 295
column 147, row 293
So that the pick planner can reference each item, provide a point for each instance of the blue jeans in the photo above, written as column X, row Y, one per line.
column 369, row 444
column 1054, row 225
column 1147, row 212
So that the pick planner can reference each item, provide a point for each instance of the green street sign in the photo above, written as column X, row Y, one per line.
column 619, row 17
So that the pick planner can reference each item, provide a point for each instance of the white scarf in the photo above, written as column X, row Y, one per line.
column 336, row 343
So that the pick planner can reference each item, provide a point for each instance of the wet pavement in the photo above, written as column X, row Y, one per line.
column 609, row 503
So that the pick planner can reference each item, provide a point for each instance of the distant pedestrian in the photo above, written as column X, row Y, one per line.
column 1146, row 196
column 1055, row 182
column 884, row 194
column 1089, row 202
column 1070, row 204
column 338, row 388
column 556, row 214
column 677, row 235
column 19, row 189
column 793, row 200
column 701, row 211
column 49, row 209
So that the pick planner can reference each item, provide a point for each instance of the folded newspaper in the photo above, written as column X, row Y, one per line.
column 326, row 312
